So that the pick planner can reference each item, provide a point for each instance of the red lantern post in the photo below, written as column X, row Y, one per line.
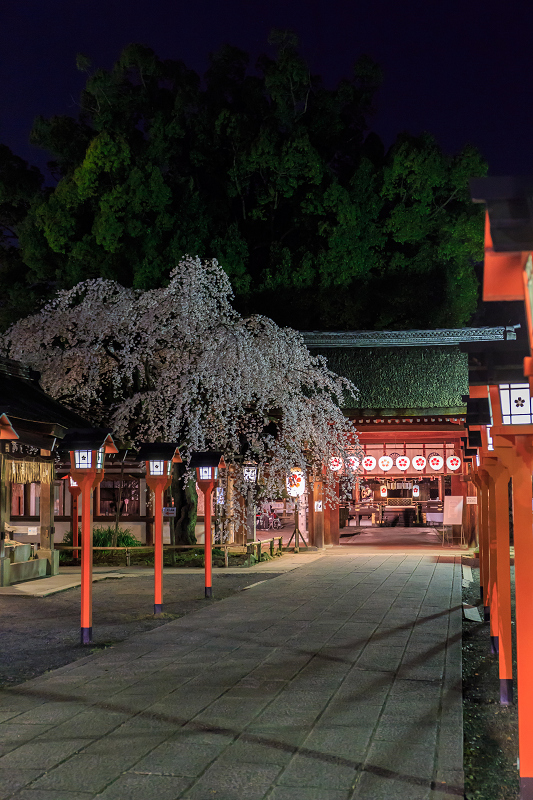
column 87, row 451
column 207, row 465
column 159, row 458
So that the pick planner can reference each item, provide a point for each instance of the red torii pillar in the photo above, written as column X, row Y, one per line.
column 515, row 450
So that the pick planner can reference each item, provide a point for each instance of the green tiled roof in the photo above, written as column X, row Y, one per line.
column 408, row 378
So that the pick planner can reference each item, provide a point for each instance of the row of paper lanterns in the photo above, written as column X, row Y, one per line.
column 385, row 463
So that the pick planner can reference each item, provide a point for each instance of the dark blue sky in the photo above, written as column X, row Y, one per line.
column 461, row 69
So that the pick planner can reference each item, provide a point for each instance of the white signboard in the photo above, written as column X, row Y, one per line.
column 471, row 501
column 318, row 505
column 453, row 510
column 169, row 511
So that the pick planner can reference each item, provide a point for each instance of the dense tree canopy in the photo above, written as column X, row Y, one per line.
column 267, row 170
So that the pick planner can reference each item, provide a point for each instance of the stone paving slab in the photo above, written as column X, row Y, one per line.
column 339, row 680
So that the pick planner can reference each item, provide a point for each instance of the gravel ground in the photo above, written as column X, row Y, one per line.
column 490, row 730
column 38, row 634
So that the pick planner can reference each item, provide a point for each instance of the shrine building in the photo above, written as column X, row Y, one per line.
column 410, row 415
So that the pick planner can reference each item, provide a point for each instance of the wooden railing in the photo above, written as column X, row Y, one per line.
column 257, row 546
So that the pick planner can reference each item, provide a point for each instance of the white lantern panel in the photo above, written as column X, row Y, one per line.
column 353, row 462
column 416, row 490
column 516, row 404
column 436, row 462
column 295, row 482
column 205, row 473
column 385, row 463
column 83, row 459
column 419, row 463
column 157, row 467
column 369, row 463
column 403, row 462
column 249, row 474
column 453, row 462
column 335, row 463
column 383, row 491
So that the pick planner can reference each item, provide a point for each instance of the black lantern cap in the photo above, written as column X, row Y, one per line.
column 86, row 439
column 163, row 451
column 209, row 458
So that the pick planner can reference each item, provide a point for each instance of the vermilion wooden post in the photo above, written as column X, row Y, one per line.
column 207, row 465
column 158, row 550
column 519, row 462
column 503, row 582
column 493, row 558
column 523, row 540
column 86, row 626
column 484, row 552
column 208, row 548
column 158, row 458
column 158, row 484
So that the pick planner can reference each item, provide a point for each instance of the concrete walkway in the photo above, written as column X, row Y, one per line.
column 338, row 680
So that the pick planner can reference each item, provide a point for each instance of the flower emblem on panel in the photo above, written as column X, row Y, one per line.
column 385, row 463
column 519, row 402
column 403, row 462
column 435, row 461
column 453, row 462
column 369, row 462
column 335, row 463
column 419, row 462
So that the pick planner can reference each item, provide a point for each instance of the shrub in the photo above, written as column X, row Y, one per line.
column 103, row 537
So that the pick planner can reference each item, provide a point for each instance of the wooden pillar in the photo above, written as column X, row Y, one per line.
column 334, row 517
column 484, row 554
column 327, row 524
column 46, row 514
column 493, row 558
column 4, row 518
column 500, row 499
column 316, row 515
column 86, row 627
column 519, row 461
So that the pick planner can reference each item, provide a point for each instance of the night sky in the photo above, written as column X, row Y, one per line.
column 461, row 69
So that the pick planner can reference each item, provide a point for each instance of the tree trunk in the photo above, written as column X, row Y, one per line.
column 186, row 503
column 118, row 495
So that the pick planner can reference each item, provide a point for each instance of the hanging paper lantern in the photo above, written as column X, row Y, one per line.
column 295, row 482
column 335, row 463
column 383, row 490
column 403, row 462
column 353, row 462
column 435, row 461
column 453, row 462
column 369, row 462
column 416, row 489
column 385, row 463
column 419, row 462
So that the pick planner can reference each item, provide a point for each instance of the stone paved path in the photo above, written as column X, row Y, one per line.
column 337, row 681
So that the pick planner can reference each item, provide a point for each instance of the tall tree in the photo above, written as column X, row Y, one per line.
column 270, row 172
